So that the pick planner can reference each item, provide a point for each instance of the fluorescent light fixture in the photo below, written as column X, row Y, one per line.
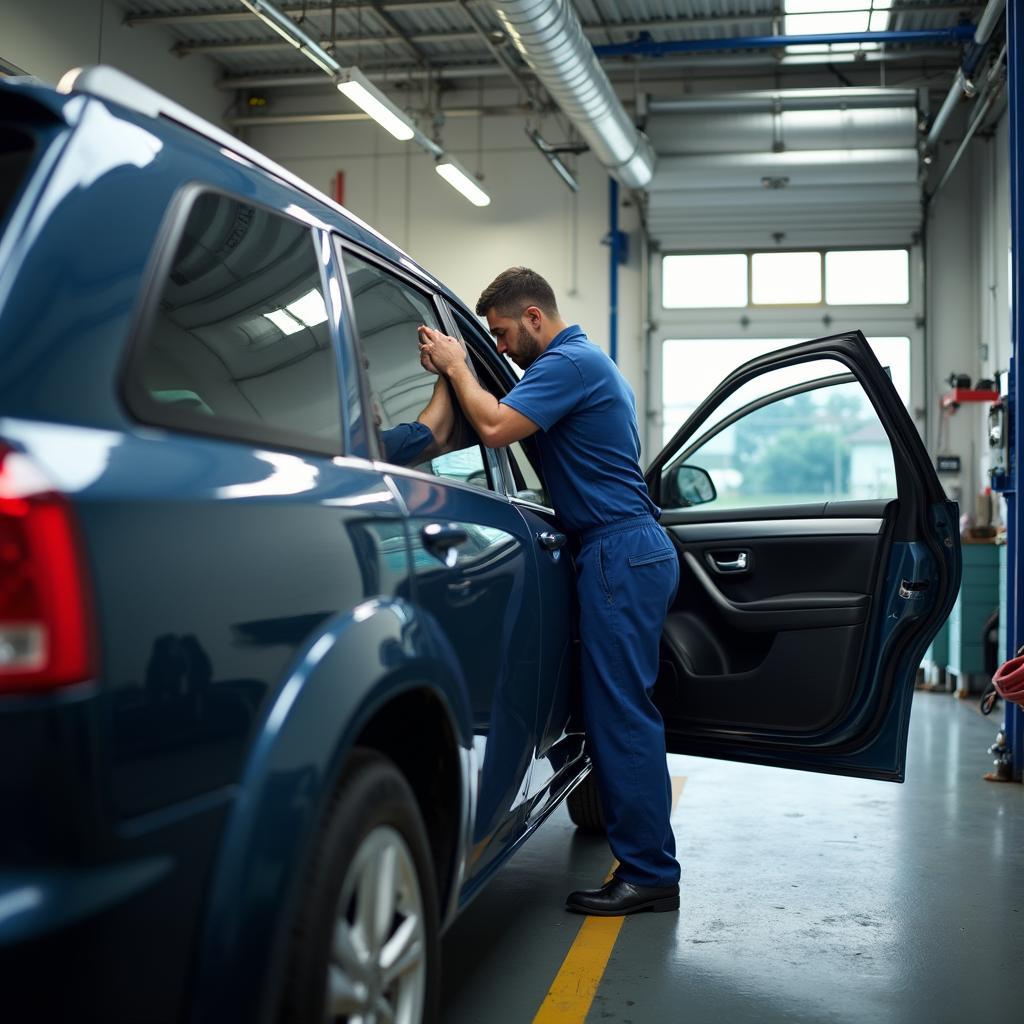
column 309, row 309
column 456, row 175
column 284, row 322
column 353, row 84
column 292, row 34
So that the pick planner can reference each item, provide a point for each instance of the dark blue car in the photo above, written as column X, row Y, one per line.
column 274, row 708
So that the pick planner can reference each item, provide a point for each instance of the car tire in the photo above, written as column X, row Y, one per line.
column 366, row 929
column 584, row 804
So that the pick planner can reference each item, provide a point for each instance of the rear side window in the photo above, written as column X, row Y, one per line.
column 239, row 344
column 16, row 149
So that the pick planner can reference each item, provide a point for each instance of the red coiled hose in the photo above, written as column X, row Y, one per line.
column 1009, row 680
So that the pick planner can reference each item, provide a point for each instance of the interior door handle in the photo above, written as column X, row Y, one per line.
column 739, row 564
column 441, row 540
column 551, row 541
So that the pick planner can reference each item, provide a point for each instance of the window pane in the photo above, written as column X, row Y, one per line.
column 786, row 278
column 15, row 158
column 387, row 313
column 872, row 277
column 814, row 6
column 822, row 445
column 525, row 478
column 693, row 368
column 826, row 24
column 241, row 344
column 704, row 281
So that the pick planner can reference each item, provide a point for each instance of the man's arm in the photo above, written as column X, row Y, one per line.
column 439, row 415
column 496, row 424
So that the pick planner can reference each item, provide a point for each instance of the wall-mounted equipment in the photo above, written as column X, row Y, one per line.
column 953, row 399
column 999, row 444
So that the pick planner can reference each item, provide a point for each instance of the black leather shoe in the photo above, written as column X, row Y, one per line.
column 617, row 897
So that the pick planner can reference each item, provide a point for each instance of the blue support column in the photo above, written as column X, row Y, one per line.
column 1015, row 508
column 618, row 253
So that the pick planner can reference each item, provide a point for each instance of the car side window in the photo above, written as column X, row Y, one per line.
column 817, row 445
column 387, row 311
column 523, row 465
column 239, row 344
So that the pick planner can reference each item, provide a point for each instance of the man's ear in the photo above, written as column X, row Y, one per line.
column 534, row 317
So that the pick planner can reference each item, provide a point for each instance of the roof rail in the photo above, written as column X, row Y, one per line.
column 107, row 83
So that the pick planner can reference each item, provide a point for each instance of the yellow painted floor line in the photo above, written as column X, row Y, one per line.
column 571, row 993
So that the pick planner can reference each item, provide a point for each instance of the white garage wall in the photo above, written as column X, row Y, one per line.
column 968, row 297
column 533, row 220
column 47, row 37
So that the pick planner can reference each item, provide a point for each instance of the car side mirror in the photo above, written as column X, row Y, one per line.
column 689, row 485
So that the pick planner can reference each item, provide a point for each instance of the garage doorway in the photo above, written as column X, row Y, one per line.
column 714, row 311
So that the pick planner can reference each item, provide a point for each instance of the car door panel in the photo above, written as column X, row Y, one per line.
column 797, row 628
column 484, row 601
column 559, row 751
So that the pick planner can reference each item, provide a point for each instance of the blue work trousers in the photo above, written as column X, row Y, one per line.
column 627, row 574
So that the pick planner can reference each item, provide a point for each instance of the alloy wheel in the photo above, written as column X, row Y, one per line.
column 377, row 970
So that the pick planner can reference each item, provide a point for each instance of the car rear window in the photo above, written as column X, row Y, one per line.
column 16, row 152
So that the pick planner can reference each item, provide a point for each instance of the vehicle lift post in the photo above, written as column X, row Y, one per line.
column 1015, row 507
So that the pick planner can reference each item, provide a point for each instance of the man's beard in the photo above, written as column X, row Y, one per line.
column 528, row 346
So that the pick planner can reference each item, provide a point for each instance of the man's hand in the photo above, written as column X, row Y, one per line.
column 438, row 352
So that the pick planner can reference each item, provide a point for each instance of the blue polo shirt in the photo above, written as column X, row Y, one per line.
column 588, row 440
column 403, row 445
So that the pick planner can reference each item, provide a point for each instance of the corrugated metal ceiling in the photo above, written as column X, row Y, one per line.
column 368, row 34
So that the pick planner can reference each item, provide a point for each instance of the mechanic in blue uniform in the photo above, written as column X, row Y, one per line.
column 582, row 411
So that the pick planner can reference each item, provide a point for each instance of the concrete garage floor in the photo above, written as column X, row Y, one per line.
column 805, row 899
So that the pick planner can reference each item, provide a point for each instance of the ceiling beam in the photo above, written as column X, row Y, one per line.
column 403, row 37
column 762, row 62
column 273, row 120
column 184, row 49
column 397, row 6
column 298, row 10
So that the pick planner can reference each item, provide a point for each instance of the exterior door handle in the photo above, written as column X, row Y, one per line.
column 441, row 540
column 551, row 541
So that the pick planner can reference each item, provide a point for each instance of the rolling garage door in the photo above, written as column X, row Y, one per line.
column 815, row 167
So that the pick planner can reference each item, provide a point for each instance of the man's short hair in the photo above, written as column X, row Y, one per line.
column 515, row 289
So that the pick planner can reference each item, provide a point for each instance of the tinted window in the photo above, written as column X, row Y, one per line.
column 523, row 458
column 240, row 343
column 387, row 313
column 15, row 157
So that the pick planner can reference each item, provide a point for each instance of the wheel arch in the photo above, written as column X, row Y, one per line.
column 360, row 674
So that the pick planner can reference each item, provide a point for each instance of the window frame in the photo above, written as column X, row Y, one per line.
column 822, row 304
column 147, row 411
column 502, row 454
column 437, row 302
column 817, row 384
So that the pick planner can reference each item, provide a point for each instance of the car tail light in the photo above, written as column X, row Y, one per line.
column 46, row 635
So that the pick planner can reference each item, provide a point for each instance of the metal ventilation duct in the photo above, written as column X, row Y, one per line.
column 550, row 38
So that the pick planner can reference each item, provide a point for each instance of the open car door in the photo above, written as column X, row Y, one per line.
column 818, row 558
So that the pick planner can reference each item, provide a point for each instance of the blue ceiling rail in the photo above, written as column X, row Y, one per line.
column 645, row 46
